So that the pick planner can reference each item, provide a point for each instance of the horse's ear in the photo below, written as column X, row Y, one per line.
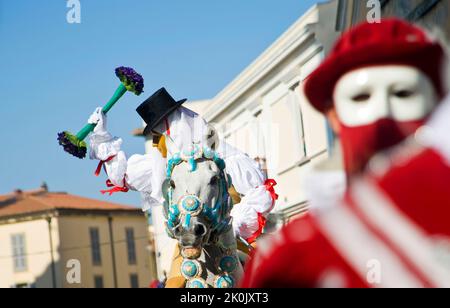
column 211, row 138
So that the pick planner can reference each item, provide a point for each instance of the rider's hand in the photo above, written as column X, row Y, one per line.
column 99, row 118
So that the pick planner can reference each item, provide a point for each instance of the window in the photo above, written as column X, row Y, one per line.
column 247, row 132
column 134, row 281
column 316, row 135
column 98, row 282
column 287, row 144
column 95, row 246
column 131, row 247
column 19, row 252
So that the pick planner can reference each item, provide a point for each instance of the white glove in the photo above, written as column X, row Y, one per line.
column 246, row 214
column 245, row 220
column 100, row 119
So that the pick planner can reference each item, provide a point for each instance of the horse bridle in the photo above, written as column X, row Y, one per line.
column 188, row 206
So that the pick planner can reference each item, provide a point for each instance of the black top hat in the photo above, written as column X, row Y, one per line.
column 156, row 108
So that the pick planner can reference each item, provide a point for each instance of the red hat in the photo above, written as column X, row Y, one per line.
column 392, row 41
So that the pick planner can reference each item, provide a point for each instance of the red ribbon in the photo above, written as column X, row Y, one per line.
column 102, row 164
column 115, row 188
column 167, row 127
column 262, row 223
column 270, row 184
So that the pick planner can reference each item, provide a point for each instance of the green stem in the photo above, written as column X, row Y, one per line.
column 121, row 90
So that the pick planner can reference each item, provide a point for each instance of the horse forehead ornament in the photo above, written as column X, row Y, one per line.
column 191, row 205
column 188, row 206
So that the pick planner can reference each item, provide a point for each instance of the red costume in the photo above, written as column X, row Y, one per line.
column 396, row 223
column 392, row 229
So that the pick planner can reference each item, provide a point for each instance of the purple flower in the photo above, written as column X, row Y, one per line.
column 69, row 147
column 132, row 80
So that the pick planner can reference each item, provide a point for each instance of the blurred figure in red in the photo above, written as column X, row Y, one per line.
column 156, row 284
column 378, row 88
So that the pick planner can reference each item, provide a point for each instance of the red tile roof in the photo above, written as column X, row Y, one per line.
column 30, row 202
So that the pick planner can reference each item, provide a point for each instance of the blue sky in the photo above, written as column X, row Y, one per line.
column 54, row 74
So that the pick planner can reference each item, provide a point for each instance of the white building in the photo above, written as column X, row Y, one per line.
column 264, row 113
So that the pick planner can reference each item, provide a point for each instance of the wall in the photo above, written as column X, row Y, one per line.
column 38, row 273
column 75, row 244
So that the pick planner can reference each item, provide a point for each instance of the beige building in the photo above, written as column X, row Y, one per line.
column 264, row 113
column 64, row 241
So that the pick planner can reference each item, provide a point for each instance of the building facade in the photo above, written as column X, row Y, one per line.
column 430, row 14
column 264, row 113
column 57, row 240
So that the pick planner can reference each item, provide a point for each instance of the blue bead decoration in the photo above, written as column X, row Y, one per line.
column 170, row 223
column 196, row 283
column 192, row 165
column 187, row 221
column 172, row 219
column 170, row 194
column 174, row 211
column 208, row 153
column 174, row 161
column 176, row 157
column 188, row 153
column 228, row 264
column 224, row 282
column 191, row 204
column 190, row 269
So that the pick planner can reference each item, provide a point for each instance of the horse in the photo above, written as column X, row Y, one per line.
column 197, row 214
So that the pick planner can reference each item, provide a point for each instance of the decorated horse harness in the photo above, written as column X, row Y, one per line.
column 181, row 212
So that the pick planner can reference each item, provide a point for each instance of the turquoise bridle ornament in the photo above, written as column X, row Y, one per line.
column 181, row 212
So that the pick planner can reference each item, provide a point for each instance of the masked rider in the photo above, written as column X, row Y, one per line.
column 378, row 87
column 166, row 119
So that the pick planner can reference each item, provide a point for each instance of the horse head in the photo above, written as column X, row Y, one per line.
column 197, row 204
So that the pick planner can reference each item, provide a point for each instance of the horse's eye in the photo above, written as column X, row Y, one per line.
column 168, row 184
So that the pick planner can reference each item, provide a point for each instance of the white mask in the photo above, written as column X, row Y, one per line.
column 397, row 92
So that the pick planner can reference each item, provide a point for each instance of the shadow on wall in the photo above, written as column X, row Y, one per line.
column 46, row 280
